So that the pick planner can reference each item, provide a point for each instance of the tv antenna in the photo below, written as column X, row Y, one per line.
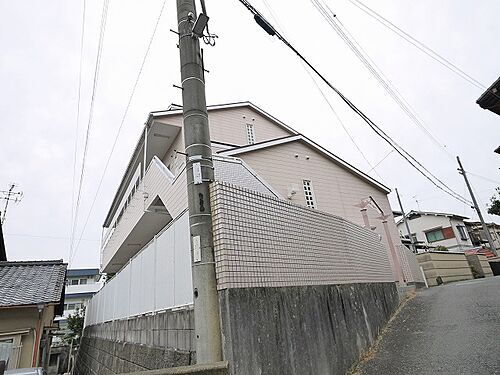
column 10, row 195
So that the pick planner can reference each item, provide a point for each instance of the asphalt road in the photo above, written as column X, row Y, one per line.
column 450, row 329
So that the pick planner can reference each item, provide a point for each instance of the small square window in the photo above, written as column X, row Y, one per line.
column 83, row 281
column 74, row 282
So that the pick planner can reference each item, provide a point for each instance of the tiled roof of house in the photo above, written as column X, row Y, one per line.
column 31, row 282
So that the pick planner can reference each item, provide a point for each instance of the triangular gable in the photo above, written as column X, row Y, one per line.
column 301, row 138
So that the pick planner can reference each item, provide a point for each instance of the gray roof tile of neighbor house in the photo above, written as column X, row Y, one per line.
column 490, row 99
column 31, row 282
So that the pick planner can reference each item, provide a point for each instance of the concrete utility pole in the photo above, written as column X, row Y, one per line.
column 461, row 170
column 413, row 245
column 200, row 173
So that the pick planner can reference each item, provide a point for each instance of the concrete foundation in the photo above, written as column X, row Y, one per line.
column 302, row 330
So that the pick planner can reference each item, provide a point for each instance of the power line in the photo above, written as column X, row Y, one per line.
column 121, row 124
column 377, row 73
column 77, row 121
column 261, row 21
column 416, row 43
column 351, row 137
column 91, row 113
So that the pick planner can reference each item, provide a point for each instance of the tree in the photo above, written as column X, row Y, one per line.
column 494, row 208
column 75, row 325
column 440, row 248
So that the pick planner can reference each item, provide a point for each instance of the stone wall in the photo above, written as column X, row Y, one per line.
column 302, row 330
column 156, row 341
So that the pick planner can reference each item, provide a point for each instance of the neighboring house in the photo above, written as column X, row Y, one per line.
column 437, row 229
column 31, row 295
column 81, row 285
column 476, row 233
column 245, row 141
column 490, row 99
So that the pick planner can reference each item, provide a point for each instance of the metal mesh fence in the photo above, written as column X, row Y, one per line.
column 264, row 241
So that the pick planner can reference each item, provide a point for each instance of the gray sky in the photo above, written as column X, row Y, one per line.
column 39, row 60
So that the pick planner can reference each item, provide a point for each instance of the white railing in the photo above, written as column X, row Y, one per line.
column 156, row 278
column 158, row 181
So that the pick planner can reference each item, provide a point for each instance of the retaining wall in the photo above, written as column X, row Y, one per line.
column 444, row 266
column 161, row 340
column 302, row 330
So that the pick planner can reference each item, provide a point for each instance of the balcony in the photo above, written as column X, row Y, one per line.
column 157, row 198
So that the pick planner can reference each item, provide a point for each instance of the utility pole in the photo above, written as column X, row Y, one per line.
column 199, row 170
column 461, row 170
column 413, row 245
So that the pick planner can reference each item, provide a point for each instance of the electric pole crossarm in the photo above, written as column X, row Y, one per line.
column 476, row 207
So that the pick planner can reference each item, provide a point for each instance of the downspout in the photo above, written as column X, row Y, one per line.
column 36, row 344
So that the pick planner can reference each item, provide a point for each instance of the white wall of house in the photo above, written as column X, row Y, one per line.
column 424, row 223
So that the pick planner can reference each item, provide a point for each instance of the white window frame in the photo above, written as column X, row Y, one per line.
column 309, row 196
column 250, row 131
column 462, row 232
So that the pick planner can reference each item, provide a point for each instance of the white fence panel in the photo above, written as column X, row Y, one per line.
column 183, row 282
column 165, row 269
column 157, row 278
column 148, row 278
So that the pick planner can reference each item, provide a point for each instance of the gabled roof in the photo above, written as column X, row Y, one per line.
column 313, row 145
column 31, row 282
column 175, row 109
column 413, row 214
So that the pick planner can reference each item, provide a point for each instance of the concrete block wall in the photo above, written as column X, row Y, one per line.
column 102, row 357
column 445, row 266
column 155, row 341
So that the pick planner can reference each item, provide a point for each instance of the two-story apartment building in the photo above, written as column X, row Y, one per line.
column 81, row 285
column 245, row 140
column 437, row 229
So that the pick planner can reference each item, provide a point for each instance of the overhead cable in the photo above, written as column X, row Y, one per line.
column 102, row 31
column 418, row 44
column 77, row 122
column 323, row 95
column 261, row 21
column 376, row 72
column 124, row 116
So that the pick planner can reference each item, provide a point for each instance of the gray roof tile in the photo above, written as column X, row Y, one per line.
column 31, row 282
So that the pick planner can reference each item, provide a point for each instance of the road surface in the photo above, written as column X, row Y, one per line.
column 450, row 329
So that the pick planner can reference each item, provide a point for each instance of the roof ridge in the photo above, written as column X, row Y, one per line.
column 33, row 262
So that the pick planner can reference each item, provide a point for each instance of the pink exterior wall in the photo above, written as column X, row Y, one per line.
column 336, row 189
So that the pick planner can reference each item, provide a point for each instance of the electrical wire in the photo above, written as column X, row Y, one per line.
column 131, row 96
column 376, row 72
column 77, row 121
column 102, row 31
column 323, row 94
column 409, row 158
column 416, row 43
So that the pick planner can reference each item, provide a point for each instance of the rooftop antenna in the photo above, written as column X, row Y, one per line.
column 9, row 195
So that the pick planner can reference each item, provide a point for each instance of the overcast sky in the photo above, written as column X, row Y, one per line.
column 39, row 66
